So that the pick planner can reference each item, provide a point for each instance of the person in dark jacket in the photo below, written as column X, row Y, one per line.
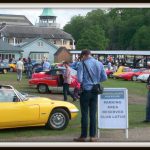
column 29, row 68
column 148, row 101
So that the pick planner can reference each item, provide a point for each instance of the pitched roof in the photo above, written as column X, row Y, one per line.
column 60, row 50
column 4, row 46
column 34, row 32
column 14, row 20
column 28, row 41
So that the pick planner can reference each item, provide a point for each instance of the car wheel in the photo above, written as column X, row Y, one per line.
column 134, row 78
column 42, row 88
column 4, row 71
column 114, row 77
column 58, row 119
column 11, row 69
column 111, row 75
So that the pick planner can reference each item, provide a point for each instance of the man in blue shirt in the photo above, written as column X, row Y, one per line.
column 46, row 66
column 88, row 99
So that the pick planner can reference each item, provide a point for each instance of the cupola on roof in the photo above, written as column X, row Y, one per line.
column 47, row 12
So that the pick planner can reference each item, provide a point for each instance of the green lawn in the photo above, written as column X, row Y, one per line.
column 136, row 111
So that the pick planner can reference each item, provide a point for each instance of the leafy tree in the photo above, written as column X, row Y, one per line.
column 140, row 40
column 75, row 27
column 93, row 38
column 116, row 28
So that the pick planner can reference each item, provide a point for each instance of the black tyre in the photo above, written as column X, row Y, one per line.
column 58, row 119
column 134, row 78
column 111, row 75
column 4, row 71
column 42, row 88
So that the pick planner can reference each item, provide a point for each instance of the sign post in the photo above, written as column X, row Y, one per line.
column 113, row 109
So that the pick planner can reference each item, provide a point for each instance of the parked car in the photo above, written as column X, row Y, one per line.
column 12, row 67
column 132, row 75
column 4, row 67
column 108, row 72
column 18, row 110
column 143, row 77
column 34, row 65
column 121, row 70
column 54, row 71
column 52, row 81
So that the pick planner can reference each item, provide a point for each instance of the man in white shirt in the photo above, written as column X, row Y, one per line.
column 20, row 68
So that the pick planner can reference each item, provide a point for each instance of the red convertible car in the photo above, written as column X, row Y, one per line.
column 132, row 75
column 52, row 81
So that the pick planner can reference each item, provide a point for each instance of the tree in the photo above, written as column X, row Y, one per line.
column 93, row 38
column 75, row 27
column 140, row 40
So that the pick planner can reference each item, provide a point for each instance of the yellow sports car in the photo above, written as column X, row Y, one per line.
column 22, row 110
column 121, row 70
column 12, row 67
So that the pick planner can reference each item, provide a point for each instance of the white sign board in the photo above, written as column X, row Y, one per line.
column 113, row 109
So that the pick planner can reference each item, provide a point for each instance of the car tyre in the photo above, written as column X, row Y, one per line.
column 134, row 78
column 42, row 88
column 111, row 75
column 4, row 71
column 58, row 119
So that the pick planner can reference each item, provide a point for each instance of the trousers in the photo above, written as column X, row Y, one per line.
column 88, row 104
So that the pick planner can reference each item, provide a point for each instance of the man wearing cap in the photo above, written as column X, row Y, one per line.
column 88, row 99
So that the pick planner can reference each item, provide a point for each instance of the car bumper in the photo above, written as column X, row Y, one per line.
column 74, row 113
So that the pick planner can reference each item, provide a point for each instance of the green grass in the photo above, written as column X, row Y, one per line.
column 134, row 88
column 136, row 111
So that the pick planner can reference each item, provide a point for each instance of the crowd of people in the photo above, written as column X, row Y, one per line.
column 88, row 100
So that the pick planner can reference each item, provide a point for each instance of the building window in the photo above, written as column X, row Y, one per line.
column 64, row 42
column 54, row 41
column 40, row 43
column 71, row 42
column 18, row 41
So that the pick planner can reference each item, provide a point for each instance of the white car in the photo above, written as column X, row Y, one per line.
column 143, row 77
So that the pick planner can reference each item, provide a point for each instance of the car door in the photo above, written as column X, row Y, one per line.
column 16, row 112
column 55, row 80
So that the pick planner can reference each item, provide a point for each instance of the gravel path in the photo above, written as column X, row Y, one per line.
column 135, row 135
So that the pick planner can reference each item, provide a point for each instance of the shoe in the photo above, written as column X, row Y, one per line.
column 93, row 139
column 80, row 139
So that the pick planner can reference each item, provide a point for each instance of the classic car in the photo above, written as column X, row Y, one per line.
column 132, row 75
column 20, row 110
column 52, row 72
column 121, row 70
column 52, row 81
column 39, row 68
column 4, row 67
column 108, row 72
column 143, row 77
column 35, row 65
column 12, row 67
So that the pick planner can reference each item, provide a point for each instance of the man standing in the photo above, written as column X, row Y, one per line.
column 20, row 68
column 46, row 65
column 67, row 82
column 88, row 100
column 147, row 119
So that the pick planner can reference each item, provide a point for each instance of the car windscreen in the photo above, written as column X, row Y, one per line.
column 7, row 95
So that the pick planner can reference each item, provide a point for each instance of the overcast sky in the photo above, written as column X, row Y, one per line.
column 63, row 15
